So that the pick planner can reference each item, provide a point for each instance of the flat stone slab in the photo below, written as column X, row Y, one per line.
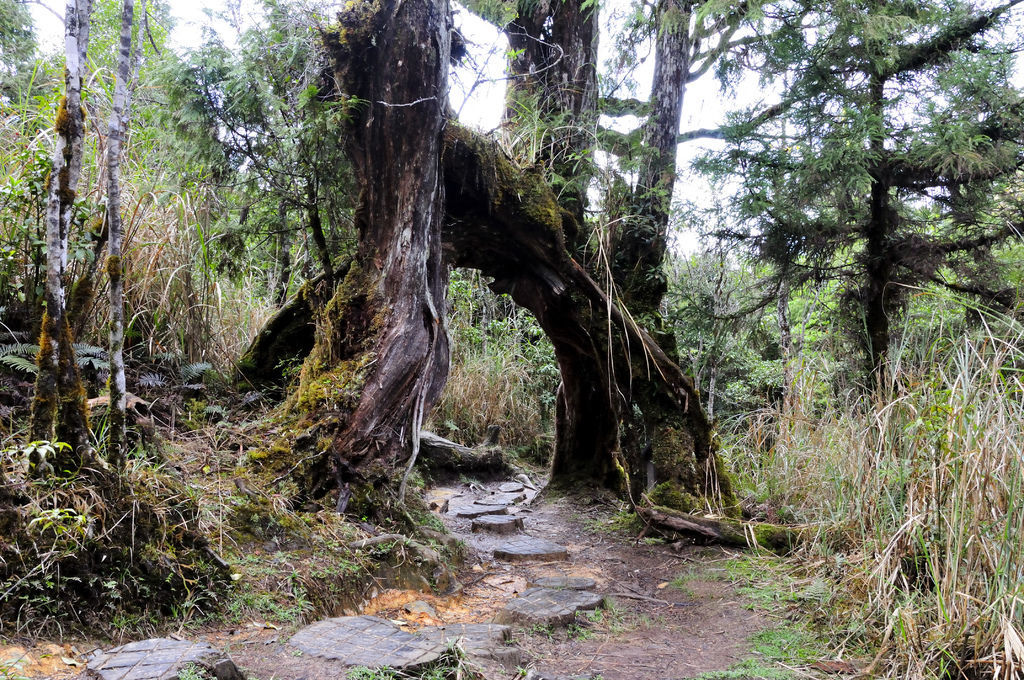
column 529, row 548
column 564, row 583
column 484, row 640
column 547, row 607
column 497, row 524
column 502, row 499
column 511, row 487
column 160, row 659
column 366, row 641
column 473, row 511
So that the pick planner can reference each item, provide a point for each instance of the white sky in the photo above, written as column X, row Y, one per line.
column 704, row 105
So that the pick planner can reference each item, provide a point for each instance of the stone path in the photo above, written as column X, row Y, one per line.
column 497, row 512
column 564, row 583
column 498, row 524
column 366, row 641
column 548, row 607
column 530, row 549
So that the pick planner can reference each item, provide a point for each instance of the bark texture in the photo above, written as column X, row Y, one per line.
column 641, row 238
column 58, row 407
column 381, row 353
column 127, row 67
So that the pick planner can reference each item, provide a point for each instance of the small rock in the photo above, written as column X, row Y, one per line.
column 564, row 583
column 420, row 607
column 528, row 548
column 497, row 524
column 511, row 487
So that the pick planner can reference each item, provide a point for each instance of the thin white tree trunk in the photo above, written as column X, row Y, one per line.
column 57, row 384
column 127, row 68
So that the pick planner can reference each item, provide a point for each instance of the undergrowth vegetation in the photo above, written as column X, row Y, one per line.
column 503, row 372
column 916, row 493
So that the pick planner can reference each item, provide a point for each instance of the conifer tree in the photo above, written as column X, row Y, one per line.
column 887, row 163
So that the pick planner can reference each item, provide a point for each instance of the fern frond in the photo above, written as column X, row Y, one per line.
column 191, row 372
column 19, row 363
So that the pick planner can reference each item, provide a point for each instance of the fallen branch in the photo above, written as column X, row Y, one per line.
column 438, row 453
column 778, row 539
column 655, row 600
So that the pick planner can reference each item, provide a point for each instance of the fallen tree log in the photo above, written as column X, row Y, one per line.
column 438, row 454
column 731, row 532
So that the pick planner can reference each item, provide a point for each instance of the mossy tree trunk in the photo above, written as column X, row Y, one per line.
column 127, row 68
column 618, row 410
column 627, row 416
column 553, row 68
column 381, row 351
column 58, row 407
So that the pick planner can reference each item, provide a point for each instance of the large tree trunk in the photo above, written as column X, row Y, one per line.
column 381, row 353
column 58, row 407
column 553, row 68
column 627, row 415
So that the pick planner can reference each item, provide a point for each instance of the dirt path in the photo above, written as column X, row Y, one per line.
column 651, row 629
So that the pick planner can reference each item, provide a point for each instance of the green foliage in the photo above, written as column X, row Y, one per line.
column 727, row 338
column 17, row 47
column 260, row 119
column 892, row 160
column 914, row 489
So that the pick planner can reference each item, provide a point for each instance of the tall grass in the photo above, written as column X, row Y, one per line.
column 919, row 494
column 503, row 372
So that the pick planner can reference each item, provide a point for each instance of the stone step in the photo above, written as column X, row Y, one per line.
column 497, row 524
column 544, row 606
column 474, row 510
column 367, row 641
column 530, row 549
column 160, row 659
column 501, row 498
column 563, row 583
column 511, row 487
column 481, row 640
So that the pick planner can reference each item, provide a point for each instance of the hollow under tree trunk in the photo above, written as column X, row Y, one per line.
column 381, row 353
column 627, row 416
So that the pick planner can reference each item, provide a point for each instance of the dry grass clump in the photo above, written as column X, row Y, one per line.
column 919, row 492
column 503, row 372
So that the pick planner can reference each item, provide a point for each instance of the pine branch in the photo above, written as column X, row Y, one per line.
column 946, row 42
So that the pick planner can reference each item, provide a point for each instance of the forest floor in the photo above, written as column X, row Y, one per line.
column 670, row 610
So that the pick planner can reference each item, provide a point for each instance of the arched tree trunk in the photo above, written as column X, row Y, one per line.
column 627, row 415
column 381, row 352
